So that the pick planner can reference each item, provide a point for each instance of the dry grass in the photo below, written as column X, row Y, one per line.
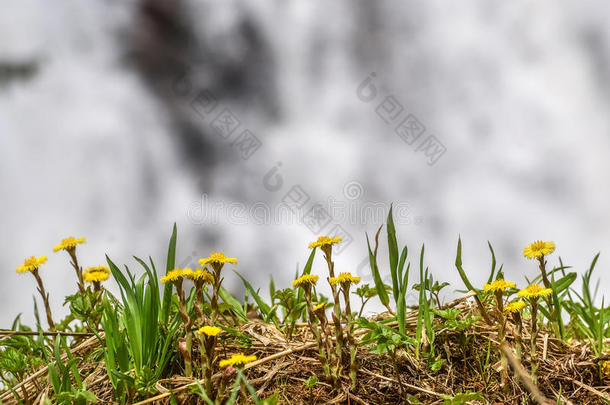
column 568, row 371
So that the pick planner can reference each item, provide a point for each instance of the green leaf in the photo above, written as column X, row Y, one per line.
column 436, row 365
column 401, row 265
column 557, row 314
column 309, row 264
column 262, row 305
column 564, row 283
column 306, row 270
column 170, row 265
column 127, row 378
column 462, row 398
column 458, row 265
column 493, row 263
column 393, row 252
column 428, row 315
column 422, row 303
column 311, row 381
column 600, row 328
column 272, row 400
column 199, row 390
column 381, row 291
column 413, row 399
column 54, row 378
column 233, row 303
column 87, row 396
column 271, row 289
column 401, row 306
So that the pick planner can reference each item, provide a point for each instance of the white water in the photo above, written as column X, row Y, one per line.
column 518, row 94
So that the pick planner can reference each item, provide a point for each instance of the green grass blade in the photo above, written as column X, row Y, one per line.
column 600, row 329
column 170, row 265
column 401, row 264
column 564, row 282
column 469, row 286
column 233, row 303
column 557, row 314
column 381, row 291
column 306, row 270
column 460, row 269
column 393, row 253
column 272, row 289
column 309, row 264
column 493, row 263
column 262, row 305
column 401, row 306
column 420, row 309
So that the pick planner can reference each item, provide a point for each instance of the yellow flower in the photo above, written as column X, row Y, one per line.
column 68, row 243
column 499, row 285
column 93, row 269
column 237, row 360
column 606, row 367
column 538, row 249
column 305, row 280
column 175, row 275
column 319, row 306
column 534, row 291
column 200, row 276
column 209, row 330
column 324, row 241
column 187, row 273
column 516, row 306
column 217, row 258
column 344, row 278
column 31, row 264
column 96, row 274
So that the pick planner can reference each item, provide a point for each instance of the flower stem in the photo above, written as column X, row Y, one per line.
column 501, row 333
column 401, row 388
column 534, row 337
column 198, row 304
column 518, row 338
column 215, row 292
column 77, row 269
column 549, row 300
column 186, row 321
column 336, row 307
column 45, row 299
column 353, row 348
column 208, row 344
column 322, row 354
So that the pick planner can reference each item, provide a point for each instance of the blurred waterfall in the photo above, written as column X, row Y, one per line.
column 107, row 131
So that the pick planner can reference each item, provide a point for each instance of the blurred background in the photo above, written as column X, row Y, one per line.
column 257, row 126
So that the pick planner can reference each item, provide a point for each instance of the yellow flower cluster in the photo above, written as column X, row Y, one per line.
column 516, row 306
column 200, row 276
column 606, row 367
column 68, row 243
column 499, row 285
column 324, row 241
column 344, row 278
column 187, row 273
column 534, row 291
column 175, row 275
column 209, row 330
column 305, row 280
column 237, row 360
column 538, row 249
column 217, row 258
column 96, row 274
column 31, row 264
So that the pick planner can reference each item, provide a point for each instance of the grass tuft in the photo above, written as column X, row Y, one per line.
column 545, row 340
